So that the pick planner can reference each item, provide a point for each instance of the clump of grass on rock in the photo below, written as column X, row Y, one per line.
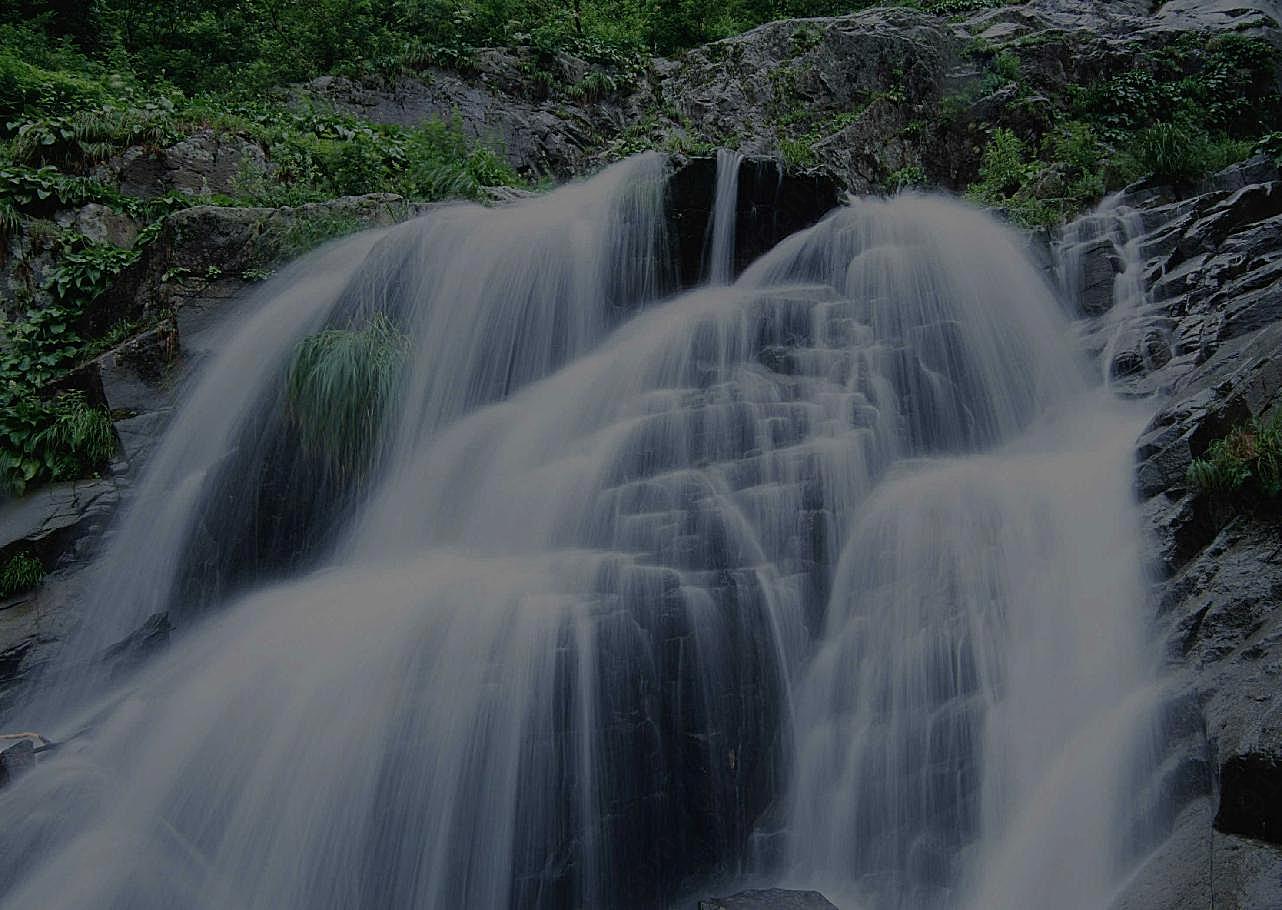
column 342, row 383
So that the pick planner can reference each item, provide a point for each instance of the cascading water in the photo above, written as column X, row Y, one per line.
column 621, row 580
column 722, row 223
column 1111, row 239
column 491, row 300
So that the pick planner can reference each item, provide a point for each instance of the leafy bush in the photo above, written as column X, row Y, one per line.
column 86, row 136
column 40, row 190
column 1178, row 153
column 906, row 178
column 317, row 155
column 64, row 438
column 1270, row 144
column 22, row 571
column 1180, row 113
column 26, row 86
column 341, row 384
column 1249, row 458
column 1005, row 165
column 46, row 438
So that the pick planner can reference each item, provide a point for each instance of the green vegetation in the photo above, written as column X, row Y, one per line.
column 341, row 384
column 50, row 439
column 1247, row 460
column 22, row 571
column 1180, row 153
column 256, row 45
column 47, row 435
column 1181, row 113
column 83, row 83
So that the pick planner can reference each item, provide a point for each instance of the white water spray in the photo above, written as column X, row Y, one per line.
column 628, row 576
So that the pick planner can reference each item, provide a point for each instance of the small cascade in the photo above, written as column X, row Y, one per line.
column 1101, row 263
column 721, row 248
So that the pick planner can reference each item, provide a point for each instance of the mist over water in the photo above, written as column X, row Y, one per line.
column 826, row 575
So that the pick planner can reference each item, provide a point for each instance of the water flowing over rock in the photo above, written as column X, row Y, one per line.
column 629, row 587
column 1208, row 300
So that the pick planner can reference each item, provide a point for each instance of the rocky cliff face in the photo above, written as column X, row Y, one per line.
column 874, row 99
column 1207, row 343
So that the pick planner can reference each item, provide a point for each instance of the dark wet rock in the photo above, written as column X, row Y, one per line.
column 52, row 521
column 1212, row 267
column 15, row 760
column 772, row 204
column 1207, row 344
column 771, row 899
column 1242, row 380
column 217, row 251
column 131, row 651
column 1100, row 267
column 1199, row 867
column 1251, row 796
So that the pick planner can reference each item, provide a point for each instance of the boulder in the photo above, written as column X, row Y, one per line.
column 849, row 86
column 1100, row 265
column 204, row 163
column 1251, row 792
column 549, row 136
column 214, row 252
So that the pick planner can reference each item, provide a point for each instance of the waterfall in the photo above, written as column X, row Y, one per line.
column 982, row 680
column 721, row 249
column 492, row 299
column 839, row 556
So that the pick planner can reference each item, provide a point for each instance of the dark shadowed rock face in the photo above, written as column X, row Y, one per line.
column 771, row 899
column 15, row 760
column 1251, row 796
column 772, row 204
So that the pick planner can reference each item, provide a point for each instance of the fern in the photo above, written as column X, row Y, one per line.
column 1250, row 456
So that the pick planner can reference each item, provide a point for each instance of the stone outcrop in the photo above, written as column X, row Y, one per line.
column 544, row 128
column 852, row 84
column 214, row 252
column 862, row 97
column 202, row 164
column 770, row 899
column 771, row 203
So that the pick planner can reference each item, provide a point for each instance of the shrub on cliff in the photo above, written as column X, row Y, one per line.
column 1247, row 460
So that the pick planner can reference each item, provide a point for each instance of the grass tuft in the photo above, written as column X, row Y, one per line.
column 342, row 383
column 21, row 572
